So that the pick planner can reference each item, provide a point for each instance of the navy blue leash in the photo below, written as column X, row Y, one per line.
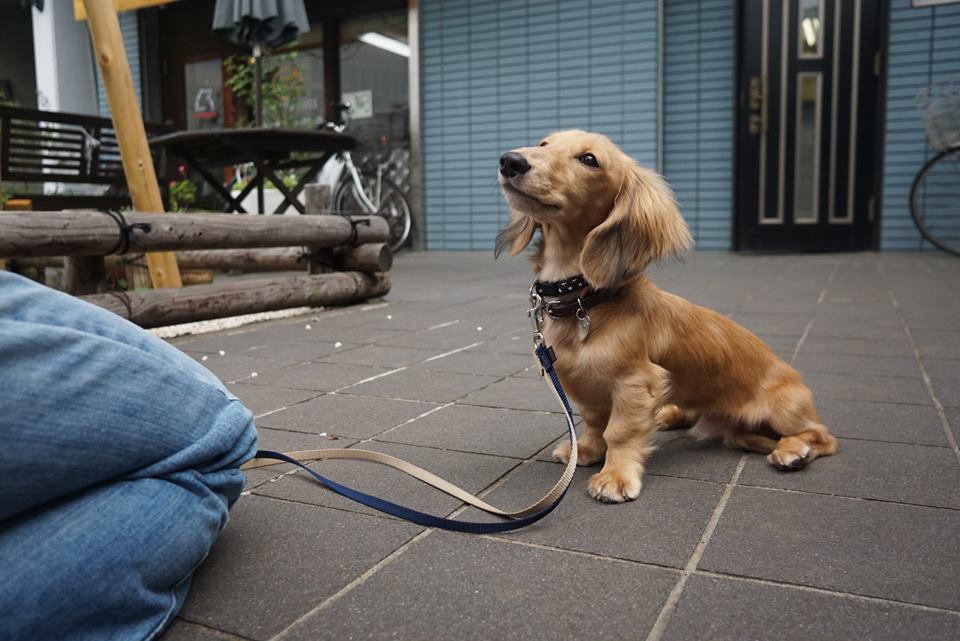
column 547, row 359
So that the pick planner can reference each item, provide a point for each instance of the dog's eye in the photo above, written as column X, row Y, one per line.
column 543, row 144
column 589, row 160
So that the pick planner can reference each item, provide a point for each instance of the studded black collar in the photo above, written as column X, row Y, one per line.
column 560, row 287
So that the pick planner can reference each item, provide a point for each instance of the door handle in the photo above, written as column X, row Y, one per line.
column 758, row 105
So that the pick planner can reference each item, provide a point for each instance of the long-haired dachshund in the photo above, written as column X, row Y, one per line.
column 633, row 357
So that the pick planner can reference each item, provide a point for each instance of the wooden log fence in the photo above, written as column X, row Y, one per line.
column 159, row 307
column 94, row 233
column 354, row 247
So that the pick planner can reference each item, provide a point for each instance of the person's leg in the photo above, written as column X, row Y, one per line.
column 120, row 459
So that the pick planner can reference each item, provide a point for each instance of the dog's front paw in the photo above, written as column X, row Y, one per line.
column 615, row 486
column 791, row 455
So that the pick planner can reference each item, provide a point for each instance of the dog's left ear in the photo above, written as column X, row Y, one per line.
column 515, row 236
column 644, row 225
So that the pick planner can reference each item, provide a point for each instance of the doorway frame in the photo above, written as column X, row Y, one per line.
column 883, row 40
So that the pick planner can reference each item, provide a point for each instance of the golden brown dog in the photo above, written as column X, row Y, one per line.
column 650, row 358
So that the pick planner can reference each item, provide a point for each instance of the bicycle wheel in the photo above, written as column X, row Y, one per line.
column 392, row 205
column 935, row 200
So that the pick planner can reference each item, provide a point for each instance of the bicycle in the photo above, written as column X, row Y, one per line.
column 935, row 193
column 367, row 191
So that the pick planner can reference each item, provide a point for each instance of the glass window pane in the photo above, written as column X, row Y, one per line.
column 811, row 28
column 807, row 170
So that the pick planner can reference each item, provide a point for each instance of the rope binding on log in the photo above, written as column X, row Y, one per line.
column 126, row 231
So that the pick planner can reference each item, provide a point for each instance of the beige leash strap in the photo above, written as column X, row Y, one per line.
column 435, row 481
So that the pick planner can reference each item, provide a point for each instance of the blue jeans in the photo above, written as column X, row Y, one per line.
column 119, row 460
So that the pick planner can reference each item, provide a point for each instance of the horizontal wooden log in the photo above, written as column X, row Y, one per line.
column 93, row 233
column 372, row 257
column 245, row 260
column 159, row 307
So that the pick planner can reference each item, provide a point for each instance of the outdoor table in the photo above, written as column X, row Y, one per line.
column 269, row 149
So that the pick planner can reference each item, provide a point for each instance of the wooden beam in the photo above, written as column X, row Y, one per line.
column 80, row 13
column 161, row 307
column 93, row 233
column 131, row 136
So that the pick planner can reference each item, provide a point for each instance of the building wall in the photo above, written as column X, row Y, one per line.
column 501, row 74
column 64, row 61
column 699, row 57
column 924, row 49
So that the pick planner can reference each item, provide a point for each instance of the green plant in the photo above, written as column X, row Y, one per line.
column 282, row 88
column 183, row 193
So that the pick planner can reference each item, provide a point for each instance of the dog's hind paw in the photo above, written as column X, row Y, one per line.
column 614, row 486
column 787, row 460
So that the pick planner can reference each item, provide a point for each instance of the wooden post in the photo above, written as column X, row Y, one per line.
column 318, row 199
column 131, row 136
column 85, row 275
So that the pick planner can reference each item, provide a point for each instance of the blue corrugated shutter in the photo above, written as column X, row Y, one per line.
column 131, row 44
column 924, row 49
column 699, row 42
column 498, row 75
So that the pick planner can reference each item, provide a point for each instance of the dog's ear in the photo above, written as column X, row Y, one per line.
column 644, row 225
column 515, row 236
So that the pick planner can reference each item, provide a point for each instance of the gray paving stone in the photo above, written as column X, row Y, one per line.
column 519, row 343
column 857, row 364
column 772, row 324
column 650, row 529
column 782, row 346
column 900, row 552
column 866, row 346
column 716, row 608
column 261, row 399
column 485, row 589
column 917, row 474
column 953, row 418
column 380, row 356
column 895, row 422
column 866, row 387
column 472, row 472
column 522, row 393
column 237, row 366
column 181, row 630
column 300, row 350
column 322, row 377
column 277, row 560
column 441, row 338
column 472, row 361
column 284, row 441
column 483, row 430
column 345, row 415
column 421, row 384
column 934, row 343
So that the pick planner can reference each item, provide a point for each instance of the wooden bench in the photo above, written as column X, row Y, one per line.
column 47, row 147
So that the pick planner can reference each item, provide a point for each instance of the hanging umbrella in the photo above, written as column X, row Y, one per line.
column 260, row 25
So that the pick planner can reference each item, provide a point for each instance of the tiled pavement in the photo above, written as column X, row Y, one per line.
column 862, row 545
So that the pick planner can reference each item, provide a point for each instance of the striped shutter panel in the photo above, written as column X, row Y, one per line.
column 699, row 43
column 499, row 75
column 924, row 49
column 130, row 32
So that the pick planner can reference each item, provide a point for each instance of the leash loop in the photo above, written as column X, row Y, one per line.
column 517, row 519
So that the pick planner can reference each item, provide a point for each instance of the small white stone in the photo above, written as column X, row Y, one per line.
column 479, row 329
column 514, row 338
column 323, row 433
column 338, row 344
column 307, row 326
column 204, row 358
column 222, row 353
column 253, row 375
column 389, row 317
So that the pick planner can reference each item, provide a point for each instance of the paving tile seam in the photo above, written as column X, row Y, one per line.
column 352, row 585
column 404, row 368
column 878, row 440
column 376, row 439
column 216, row 632
column 944, row 422
column 847, row 496
column 835, row 593
column 504, row 538
column 666, row 612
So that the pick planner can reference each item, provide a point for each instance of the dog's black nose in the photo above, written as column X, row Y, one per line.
column 513, row 164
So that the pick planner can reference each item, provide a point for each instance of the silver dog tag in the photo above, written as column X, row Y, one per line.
column 583, row 324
